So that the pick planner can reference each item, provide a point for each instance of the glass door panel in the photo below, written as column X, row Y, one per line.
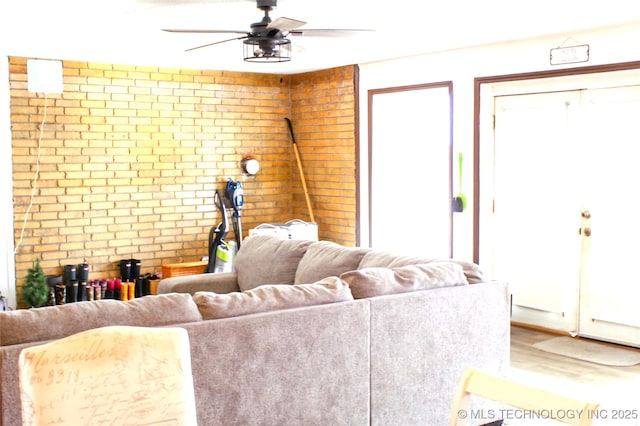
column 410, row 204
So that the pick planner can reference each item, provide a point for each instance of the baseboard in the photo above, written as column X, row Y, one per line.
column 540, row 329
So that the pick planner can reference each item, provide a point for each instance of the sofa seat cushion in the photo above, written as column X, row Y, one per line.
column 271, row 297
column 381, row 259
column 265, row 259
column 325, row 258
column 54, row 322
column 370, row 282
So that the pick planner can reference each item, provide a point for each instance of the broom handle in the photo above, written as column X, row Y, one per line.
column 304, row 183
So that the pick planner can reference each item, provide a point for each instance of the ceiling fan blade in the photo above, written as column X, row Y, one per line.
column 205, row 31
column 328, row 32
column 215, row 42
column 285, row 24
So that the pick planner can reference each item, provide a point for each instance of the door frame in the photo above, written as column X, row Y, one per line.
column 483, row 96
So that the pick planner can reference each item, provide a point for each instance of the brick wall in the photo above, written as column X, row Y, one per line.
column 130, row 158
column 323, row 116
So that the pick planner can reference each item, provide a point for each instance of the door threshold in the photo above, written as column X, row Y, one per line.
column 553, row 332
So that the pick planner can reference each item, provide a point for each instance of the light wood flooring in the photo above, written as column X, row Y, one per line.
column 580, row 379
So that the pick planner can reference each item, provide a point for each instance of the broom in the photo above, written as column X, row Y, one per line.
column 304, row 183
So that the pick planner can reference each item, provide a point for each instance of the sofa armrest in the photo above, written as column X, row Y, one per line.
column 225, row 282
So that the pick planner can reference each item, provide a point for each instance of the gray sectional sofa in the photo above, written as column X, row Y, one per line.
column 305, row 333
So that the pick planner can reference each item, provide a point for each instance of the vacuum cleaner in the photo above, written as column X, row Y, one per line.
column 235, row 196
column 218, row 248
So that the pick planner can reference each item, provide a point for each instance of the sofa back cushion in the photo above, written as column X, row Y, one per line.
column 381, row 259
column 54, row 322
column 370, row 282
column 325, row 258
column 265, row 259
column 271, row 297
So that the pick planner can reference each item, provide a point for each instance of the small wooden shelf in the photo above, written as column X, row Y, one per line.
column 180, row 269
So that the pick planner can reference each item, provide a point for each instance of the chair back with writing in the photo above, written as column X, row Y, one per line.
column 110, row 375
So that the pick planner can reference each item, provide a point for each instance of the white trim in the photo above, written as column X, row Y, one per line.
column 7, row 259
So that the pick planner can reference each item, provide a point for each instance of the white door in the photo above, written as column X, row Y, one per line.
column 536, row 247
column 410, row 160
column 565, row 212
column 610, row 288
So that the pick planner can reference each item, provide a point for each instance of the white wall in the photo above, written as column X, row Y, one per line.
column 607, row 46
column 7, row 262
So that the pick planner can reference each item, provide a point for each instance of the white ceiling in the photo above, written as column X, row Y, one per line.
column 129, row 31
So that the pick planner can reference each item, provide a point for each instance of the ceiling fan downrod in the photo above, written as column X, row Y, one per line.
column 266, row 6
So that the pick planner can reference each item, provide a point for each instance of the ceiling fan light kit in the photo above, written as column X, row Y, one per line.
column 264, row 49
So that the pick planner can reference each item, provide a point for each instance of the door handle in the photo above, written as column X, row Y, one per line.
column 586, row 231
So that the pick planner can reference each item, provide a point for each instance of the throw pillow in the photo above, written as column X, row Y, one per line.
column 271, row 297
column 370, row 282
column 265, row 259
column 471, row 270
column 380, row 259
column 325, row 259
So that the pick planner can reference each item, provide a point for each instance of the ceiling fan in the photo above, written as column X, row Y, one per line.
column 267, row 40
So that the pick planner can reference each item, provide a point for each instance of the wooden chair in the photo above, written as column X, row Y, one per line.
column 534, row 401
column 111, row 375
